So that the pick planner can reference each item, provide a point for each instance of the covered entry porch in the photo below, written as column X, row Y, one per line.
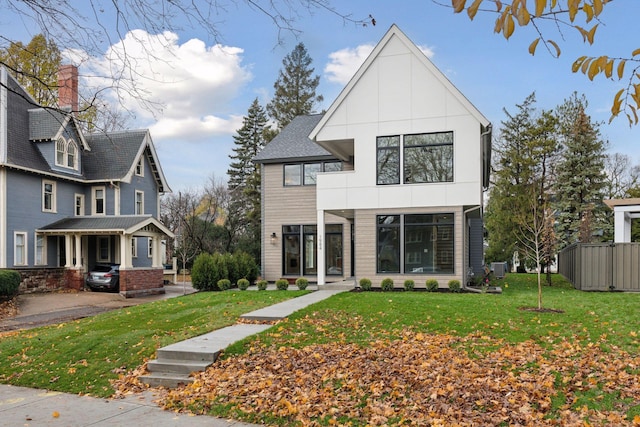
column 133, row 242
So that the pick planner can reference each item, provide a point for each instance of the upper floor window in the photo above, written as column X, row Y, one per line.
column 98, row 204
column 139, row 203
column 140, row 167
column 79, row 205
column 48, row 196
column 306, row 173
column 66, row 153
column 426, row 157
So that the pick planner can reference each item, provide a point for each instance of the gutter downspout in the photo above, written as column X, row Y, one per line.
column 466, row 235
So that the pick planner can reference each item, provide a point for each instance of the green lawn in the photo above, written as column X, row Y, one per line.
column 577, row 364
column 83, row 355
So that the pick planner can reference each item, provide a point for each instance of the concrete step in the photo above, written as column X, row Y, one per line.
column 165, row 380
column 178, row 366
column 170, row 353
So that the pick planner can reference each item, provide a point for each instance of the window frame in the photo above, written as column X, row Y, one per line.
column 99, row 247
column 61, row 152
column 304, row 179
column 71, row 146
column 411, row 244
column 78, row 197
column 20, row 251
column 40, row 249
column 149, row 247
column 380, row 149
column 138, row 203
column 134, row 247
column 51, row 198
column 94, row 200
column 406, row 176
column 139, row 169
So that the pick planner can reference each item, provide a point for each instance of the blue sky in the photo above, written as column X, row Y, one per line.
column 205, row 89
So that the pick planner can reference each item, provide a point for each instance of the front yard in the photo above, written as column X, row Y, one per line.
column 378, row 358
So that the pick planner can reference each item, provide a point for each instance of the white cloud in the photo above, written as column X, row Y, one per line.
column 182, row 91
column 344, row 63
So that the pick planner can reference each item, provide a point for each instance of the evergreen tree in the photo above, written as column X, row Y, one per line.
column 581, row 212
column 295, row 89
column 244, row 179
column 523, row 172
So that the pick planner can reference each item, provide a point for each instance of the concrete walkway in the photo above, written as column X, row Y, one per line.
column 35, row 407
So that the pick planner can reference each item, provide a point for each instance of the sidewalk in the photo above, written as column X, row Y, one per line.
column 36, row 408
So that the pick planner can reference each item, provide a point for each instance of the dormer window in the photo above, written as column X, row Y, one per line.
column 72, row 151
column 67, row 154
column 61, row 146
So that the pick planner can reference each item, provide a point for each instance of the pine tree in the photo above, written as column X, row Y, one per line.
column 295, row 89
column 523, row 175
column 244, row 176
column 581, row 177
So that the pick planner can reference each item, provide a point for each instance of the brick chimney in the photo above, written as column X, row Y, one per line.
column 68, row 87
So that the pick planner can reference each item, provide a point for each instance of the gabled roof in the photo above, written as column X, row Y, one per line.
column 394, row 31
column 114, row 155
column 122, row 224
column 293, row 143
column 48, row 124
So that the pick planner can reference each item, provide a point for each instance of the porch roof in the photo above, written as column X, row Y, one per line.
column 123, row 224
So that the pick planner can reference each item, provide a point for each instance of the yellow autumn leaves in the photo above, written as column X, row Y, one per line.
column 524, row 12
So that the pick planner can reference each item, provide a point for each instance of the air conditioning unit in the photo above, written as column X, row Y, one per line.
column 499, row 269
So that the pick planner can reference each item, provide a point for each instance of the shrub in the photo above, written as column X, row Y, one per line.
column 432, row 285
column 262, row 285
column 302, row 283
column 365, row 284
column 9, row 283
column 409, row 285
column 245, row 267
column 224, row 284
column 454, row 285
column 282, row 284
column 243, row 284
column 387, row 284
column 202, row 276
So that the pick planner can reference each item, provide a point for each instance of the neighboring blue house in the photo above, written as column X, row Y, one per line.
column 70, row 200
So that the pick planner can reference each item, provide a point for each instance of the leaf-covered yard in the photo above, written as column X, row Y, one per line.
column 406, row 358
column 423, row 379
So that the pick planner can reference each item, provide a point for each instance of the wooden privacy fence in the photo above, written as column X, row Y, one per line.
column 602, row 266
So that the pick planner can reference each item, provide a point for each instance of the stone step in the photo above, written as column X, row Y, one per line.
column 165, row 380
column 178, row 366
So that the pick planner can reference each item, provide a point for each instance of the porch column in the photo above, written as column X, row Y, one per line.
column 68, row 250
column 125, row 252
column 78, row 250
column 622, row 226
column 321, row 257
column 156, row 259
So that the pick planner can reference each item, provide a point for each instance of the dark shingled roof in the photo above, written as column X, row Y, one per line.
column 110, row 222
column 112, row 155
column 44, row 124
column 293, row 143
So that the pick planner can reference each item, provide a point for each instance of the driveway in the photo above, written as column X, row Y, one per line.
column 57, row 307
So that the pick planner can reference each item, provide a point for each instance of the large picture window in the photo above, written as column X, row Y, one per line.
column 416, row 244
column 426, row 157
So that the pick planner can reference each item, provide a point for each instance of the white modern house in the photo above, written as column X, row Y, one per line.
column 388, row 182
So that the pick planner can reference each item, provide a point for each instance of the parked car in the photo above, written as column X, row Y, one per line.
column 104, row 277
